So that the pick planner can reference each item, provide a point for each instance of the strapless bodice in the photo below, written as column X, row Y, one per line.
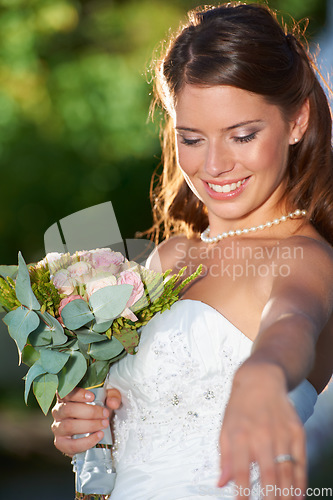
column 174, row 393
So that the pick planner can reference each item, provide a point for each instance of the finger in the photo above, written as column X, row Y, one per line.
column 113, row 399
column 81, row 411
column 71, row 446
column 69, row 427
column 241, row 473
column 285, row 480
column 225, row 462
column 284, row 471
column 291, row 474
column 298, row 451
column 240, row 462
column 78, row 394
column 264, row 456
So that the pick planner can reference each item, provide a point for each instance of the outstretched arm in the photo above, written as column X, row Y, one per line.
column 260, row 423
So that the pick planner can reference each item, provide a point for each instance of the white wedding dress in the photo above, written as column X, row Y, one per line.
column 174, row 392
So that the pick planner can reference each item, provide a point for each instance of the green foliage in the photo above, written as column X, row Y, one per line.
column 74, row 105
column 297, row 10
column 72, row 373
column 7, row 294
column 45, row 387
column 108, row 302
column 44, row 290
column 21, row 322
column 23, row 288
column 127, row 332
column 76, row 314
column 108, row 349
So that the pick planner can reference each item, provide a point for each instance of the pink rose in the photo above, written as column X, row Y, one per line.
column 63, row 282
column 128, row 314
column 97, row 284
column 104, row 258
column 81, row 271
column 132, row 278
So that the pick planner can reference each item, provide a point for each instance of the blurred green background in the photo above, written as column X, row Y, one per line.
column 74, row 102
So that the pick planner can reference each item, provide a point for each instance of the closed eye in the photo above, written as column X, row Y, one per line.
column 246, row 138
column 189, row 142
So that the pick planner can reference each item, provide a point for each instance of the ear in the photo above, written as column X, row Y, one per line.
column 300, row 123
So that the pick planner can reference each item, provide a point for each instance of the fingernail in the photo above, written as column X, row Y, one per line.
column 89, row 396
column 100, row 434
column 105, row 413
column 105, row 423
column 115, row 400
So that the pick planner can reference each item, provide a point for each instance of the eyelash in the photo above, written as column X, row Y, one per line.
column 246, row 138
column 242, row 140
column 189, row 142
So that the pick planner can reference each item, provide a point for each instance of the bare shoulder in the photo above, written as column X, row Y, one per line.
column 308, row 284
column 166, row 254
column 314, row 254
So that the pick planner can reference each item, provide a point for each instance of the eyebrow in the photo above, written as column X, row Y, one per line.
column 232, row 127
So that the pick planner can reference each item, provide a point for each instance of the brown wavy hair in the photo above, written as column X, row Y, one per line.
column 244, row 46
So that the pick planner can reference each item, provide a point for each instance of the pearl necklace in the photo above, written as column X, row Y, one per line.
column 292, row 215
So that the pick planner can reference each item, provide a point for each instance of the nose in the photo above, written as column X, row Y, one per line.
column 218, row 159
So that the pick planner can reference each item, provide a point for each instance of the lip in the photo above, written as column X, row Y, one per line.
column 225, row 196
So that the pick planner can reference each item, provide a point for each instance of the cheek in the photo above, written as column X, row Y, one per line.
column 268, row 157
column 187, row 159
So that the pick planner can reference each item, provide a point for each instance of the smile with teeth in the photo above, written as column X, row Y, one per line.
column 226, row 188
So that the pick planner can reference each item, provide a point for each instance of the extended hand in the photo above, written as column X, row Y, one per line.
column 260, row 424
column 73, row 416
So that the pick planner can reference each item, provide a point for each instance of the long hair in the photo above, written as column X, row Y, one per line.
column 244, row 46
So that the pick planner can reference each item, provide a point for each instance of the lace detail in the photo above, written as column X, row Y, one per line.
column 183, row 402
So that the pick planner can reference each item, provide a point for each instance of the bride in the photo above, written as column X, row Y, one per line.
column 247, row 191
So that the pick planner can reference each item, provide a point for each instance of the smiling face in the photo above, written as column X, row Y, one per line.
column 232, row 148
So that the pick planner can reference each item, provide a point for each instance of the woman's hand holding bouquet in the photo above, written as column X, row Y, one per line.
column 71, row 317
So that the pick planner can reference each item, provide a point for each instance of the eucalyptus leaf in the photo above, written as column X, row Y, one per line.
column 8, row 271
column 88, row 338
column 101, row 327
column 52, row 325
column 72, row 373
column 96, row 374
column 30, row 355
column 106, row 350
column 72, row 345
column 40, row 337
column 23, row 288
column 53, row 361
column 108, row 302
column 76, row 314
column 83, row 348
column 45, row 387
column 34, row 372
column 21, row 322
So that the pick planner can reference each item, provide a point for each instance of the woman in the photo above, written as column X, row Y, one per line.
column 248, row 166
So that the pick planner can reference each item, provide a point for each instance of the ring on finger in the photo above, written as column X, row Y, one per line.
column 284, row 457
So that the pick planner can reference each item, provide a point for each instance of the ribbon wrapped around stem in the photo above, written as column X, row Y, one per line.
column 94, row 471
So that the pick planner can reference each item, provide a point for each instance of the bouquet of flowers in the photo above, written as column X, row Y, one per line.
column 71, row 316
